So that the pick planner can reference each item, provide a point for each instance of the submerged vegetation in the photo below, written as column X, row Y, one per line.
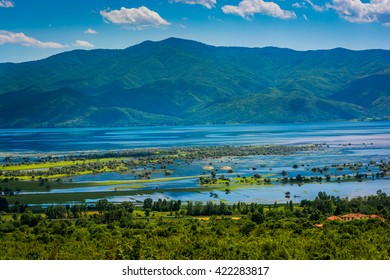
column 51, row 178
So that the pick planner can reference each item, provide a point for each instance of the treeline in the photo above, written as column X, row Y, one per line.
column 238, row 231
column 161, row 205
column 209, row 208
column 321, row 207
column 326, row 205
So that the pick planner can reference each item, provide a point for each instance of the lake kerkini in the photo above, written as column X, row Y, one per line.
column 295, row 162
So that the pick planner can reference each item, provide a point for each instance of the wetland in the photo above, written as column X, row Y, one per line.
column 229, row 163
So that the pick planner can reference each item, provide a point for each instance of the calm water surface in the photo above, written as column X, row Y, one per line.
column 84, row 139
column 348, row 143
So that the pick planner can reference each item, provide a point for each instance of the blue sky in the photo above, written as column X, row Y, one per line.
column 31, row 30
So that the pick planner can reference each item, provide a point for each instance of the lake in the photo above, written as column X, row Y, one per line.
column 346, row 142
column 84, row 139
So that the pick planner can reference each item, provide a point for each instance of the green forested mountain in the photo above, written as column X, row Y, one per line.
column 178, row 81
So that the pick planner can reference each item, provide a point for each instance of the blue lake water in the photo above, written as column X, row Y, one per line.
column 269, row 194
column 84, row 139
column 349, row 142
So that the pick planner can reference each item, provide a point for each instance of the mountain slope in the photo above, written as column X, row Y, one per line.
column 68, row 108
column 178, row 81
column 279, row 107
column 371, row 92
column 365, row 91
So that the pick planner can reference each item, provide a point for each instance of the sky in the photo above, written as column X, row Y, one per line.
column 36, row 29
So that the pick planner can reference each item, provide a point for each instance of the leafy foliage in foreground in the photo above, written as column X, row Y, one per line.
column 116, row 232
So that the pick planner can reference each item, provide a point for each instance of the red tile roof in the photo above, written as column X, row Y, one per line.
column 355, row 216
column 373, row 216
column 333, row 218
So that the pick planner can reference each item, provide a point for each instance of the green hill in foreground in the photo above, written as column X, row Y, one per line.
column 232, row 232
column 178, row 81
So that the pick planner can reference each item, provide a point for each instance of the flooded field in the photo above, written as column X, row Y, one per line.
column 345, row 151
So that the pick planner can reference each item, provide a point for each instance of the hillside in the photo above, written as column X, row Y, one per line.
column 178, row 81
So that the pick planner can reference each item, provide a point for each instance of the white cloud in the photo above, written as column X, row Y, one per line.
column 386, row 24
column 205, row 3
column 83, row 44
column 90, row 31
column 7, row 37
column 299, row 5
column 6, row 4
column 305, row 17
column 356, row 11
column 248, row 8
column 138, row 18
column 317, row 8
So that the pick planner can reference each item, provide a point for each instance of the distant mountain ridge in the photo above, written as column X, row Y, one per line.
column 177, row 81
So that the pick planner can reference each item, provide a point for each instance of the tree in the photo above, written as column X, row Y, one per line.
column 208, row 209
column 78, row 210
column 148, row 203
column 224, row 209
column 190, row 208
column 247, row 227
column 3, row 204
column 128, row 206
column 291, row 206
column 56, row 212
column 102, row 205
column 258, row 217
column 198, row 208
column 30, row 219
column 18, row 207
column 176, row 205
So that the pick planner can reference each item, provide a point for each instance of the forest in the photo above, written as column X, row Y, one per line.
column 192, row 230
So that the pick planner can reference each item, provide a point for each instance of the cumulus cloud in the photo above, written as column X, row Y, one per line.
column 83, row 44
column 90, row 31
column 248, row 8
column 205, row 3
column 137, row 18
column 6, row 4
column 7, row 37
column 357, row 11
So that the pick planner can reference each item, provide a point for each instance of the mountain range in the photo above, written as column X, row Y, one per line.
column 177, row 81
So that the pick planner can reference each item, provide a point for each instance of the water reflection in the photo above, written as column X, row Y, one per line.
column 84, row 139
column 349, row 143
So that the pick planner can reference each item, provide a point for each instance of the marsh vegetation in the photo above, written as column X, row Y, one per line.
column 82, row 177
